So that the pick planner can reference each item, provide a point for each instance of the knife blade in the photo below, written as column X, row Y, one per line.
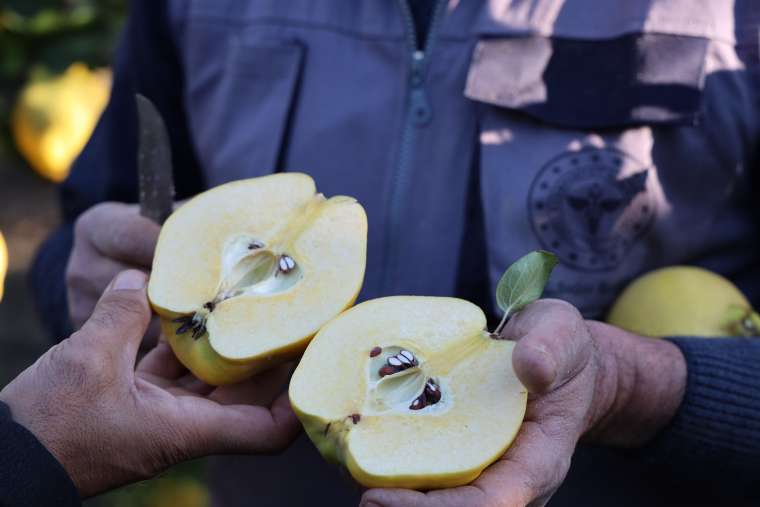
column 154, row 163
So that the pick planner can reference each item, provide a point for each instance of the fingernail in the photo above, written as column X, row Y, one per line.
column 129, row 280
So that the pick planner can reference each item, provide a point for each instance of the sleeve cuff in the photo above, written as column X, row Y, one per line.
column 716, row 431
column 30, row 473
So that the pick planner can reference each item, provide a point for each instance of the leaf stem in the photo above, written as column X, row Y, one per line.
column 503, row 323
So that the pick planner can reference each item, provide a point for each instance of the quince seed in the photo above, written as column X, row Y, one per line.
column 286, row 263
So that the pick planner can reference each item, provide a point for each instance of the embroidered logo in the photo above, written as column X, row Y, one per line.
column 590, row 206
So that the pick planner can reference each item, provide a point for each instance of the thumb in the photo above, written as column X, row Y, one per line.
column 553, row 344
column 120, row 318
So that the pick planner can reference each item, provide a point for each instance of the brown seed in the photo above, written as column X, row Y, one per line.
column 433, row 393
column 375, row 352
column 355, row 418
column 386, row 370
column 210, row 306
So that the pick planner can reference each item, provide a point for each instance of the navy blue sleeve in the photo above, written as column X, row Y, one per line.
column 147, row 62
column 715, row 435
column 29, row 474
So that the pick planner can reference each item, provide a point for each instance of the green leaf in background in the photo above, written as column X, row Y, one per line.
column 523, row 282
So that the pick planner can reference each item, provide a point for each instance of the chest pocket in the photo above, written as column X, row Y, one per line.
column 240, row 90
column 592, row 139
column 633, row 79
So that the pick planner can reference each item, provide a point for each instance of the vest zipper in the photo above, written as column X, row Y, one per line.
column 418, row 114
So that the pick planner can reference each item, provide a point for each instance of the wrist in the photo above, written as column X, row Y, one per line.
column 640, row 386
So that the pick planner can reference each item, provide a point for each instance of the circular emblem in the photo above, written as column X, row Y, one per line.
column 590, row 206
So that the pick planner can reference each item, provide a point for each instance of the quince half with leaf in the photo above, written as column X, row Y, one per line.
column 414, row 392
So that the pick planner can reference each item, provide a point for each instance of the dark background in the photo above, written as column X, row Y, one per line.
column 39, row 39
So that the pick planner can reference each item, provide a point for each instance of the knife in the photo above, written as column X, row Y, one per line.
column 154, row 163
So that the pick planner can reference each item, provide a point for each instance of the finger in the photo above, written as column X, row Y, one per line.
column 259, row 390
column 193, row 384
column 120, row 318
column 553, row 344
column 161, row 362
column 238, row 429
column 87, row 276
column 456, row 497
column 532, row 469
column 118, row 231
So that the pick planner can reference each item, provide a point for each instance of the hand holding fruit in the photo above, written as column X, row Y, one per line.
column 584, row 378
column 109, row 424
column 108, row 238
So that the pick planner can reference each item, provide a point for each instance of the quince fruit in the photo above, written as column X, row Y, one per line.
column 54, row 118
column 246, row 273
column 409, row 392
column 684, row 301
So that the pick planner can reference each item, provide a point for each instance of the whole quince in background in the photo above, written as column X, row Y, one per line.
column 684, row 301
column 3, row 263
column 54, row 117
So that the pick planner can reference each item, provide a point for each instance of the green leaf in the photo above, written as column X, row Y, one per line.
column 524, row 281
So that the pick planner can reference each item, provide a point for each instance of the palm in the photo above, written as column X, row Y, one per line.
column 260, row 402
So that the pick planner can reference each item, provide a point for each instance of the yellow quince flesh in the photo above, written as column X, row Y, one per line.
column 409, row 392
column 246, row 273
column 684, row 301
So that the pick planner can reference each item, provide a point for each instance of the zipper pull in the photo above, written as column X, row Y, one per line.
column 419, row 106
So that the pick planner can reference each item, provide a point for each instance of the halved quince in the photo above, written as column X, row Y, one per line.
column 246, row 273
column 409, row 392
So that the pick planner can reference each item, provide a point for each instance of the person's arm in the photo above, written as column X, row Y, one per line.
column 716, row 432
column 147, row 62
column 30, row 475
column 108, row 421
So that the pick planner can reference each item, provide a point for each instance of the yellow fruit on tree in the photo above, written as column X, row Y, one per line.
column 53, row 118
column 3, row 263
column 684, row 301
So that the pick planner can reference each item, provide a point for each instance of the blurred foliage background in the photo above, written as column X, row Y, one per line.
column 40, row 38
column 39, row 41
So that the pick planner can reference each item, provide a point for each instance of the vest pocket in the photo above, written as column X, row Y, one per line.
column 634, row 79
column 242, row 116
